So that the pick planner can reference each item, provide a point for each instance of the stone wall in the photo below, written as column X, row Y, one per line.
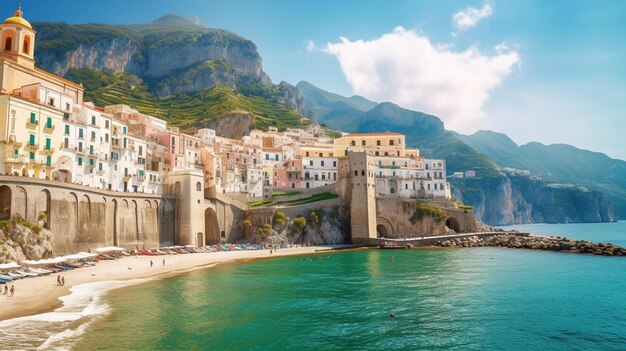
column 395, row 218
column 82, row 218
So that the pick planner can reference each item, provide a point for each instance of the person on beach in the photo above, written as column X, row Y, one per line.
column 12, row 290
column 58, row 280
column 6, row 290
column 151, row 263
column 62, row 281
column 164, row 262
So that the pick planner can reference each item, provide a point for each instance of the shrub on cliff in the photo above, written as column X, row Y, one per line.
column 279, row 218
column 423, row 210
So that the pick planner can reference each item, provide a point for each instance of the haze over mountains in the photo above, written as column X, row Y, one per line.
column 193, row 76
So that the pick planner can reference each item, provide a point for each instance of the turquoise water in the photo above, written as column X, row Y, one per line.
column 443, row 299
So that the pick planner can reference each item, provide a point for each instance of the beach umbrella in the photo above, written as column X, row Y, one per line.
column 9, row 265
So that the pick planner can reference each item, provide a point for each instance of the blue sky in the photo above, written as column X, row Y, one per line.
column 547, row 71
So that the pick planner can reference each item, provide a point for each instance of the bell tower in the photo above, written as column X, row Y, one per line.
column 17, row 39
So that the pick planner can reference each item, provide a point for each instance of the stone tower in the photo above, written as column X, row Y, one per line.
column 18, row 40
column 362, row 197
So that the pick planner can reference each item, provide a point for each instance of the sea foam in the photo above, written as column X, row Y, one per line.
column 58, row 330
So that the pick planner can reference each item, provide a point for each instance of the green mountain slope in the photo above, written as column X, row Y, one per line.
column 172, row 68
column 557, row 163
column 205, row 108
column 497, row 198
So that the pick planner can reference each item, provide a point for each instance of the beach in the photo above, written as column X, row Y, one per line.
column 41, row 294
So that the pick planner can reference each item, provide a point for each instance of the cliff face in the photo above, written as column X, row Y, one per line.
column 517, row 199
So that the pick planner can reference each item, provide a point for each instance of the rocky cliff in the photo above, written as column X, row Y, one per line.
column 515, row 199
column 20, row 240
column 172, row 56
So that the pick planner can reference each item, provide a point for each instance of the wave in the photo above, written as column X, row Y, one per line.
column 60, row 329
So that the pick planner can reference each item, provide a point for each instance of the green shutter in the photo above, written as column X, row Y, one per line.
column 80, row 132
column 91, row 149
column 32, row 155
column 48, row 160
column 67, row 129
column 80, row 161
column 47, row 143
column 31, row 140
column 33, row 118
column 49, row 123
column 99, row 166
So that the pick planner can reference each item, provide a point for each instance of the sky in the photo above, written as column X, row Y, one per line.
column 536, row 70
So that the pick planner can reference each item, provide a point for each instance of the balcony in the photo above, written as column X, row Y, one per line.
column 48, row 129
column 32, row 124
column 32, row 147
column 47, row 151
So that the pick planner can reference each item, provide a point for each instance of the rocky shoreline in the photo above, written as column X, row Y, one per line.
column 533, row 242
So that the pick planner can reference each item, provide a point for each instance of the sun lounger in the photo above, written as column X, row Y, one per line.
column 16, row 275
column 28, row 274
column 6, row 277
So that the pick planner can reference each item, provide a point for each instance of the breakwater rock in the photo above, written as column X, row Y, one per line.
column 532, row 242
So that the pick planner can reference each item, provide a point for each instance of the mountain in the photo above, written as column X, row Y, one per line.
column 499, row 198
column 559, row 163
column 172, row 68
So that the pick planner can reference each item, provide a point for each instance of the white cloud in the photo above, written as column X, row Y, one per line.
column 310, row 46
column 407, row 68
column 469, row 17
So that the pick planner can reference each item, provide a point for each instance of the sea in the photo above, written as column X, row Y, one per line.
column 441, row 299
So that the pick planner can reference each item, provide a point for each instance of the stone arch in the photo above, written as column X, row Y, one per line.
column 72, row 203
column 156, row 204
column 115, row 222
column 211, row 227
column 177, row 189
column 453, row 224
column 55, row 175
column 147, row 204
column 64, row 166
column 26, row 44
column 5, row 202
column 7, row 36
column 135, row 209
column 19, row 203
column 43, row 208
column 125, row 204
column 87, row 202
column 384, row 228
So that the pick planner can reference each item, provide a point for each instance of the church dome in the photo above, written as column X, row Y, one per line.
column 18, row 18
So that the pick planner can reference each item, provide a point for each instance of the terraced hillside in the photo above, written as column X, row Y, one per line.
column 205, row 108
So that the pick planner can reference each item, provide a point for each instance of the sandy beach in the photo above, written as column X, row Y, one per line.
column 41, row 294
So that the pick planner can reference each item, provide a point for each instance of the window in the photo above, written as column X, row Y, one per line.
column 80, row 132
column 106, row 138
column 48, row 143
column 124, row 131
column 66, row 143
column 140, row 150
column 106, row 124
column 362, row 142
column 48, row 160
column 322, row 163
column 353, row 143
column 31, row 139
column 33, row 118
column 51, row 102
column 80, row 146
column 356, row 173
column 377, row 153
column 334, row 163
column 80, row 161
column 198, row 186
column 406, row 187
column 8, row 43
column 93, row 120
column 276, row 157
column 67, row 129
column 390, row 142
column 377, row 142
column 93, row 136
column 323, row 176
column 26, row 45
column 362, row 173
column 67, row 106
column 31, row 155
column 311, row 163
column 321, row 154
column 267, row 156
column 99, row 166
column 91, row 149
column 48, row 122
column 91, row 161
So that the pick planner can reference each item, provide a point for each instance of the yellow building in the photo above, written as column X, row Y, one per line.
column 376, row 144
